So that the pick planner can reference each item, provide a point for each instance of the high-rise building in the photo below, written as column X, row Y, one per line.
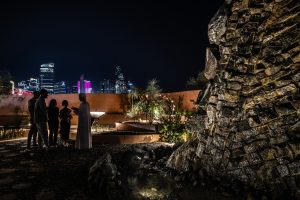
column 23, row 85
column 69, row 89
column 105, row 86
column 60, row 88
column 130, row 86
column 121, row 86
column 29, row 85
column 47, row 77
column 74, row 89
column 34, row 84
column 84, row 86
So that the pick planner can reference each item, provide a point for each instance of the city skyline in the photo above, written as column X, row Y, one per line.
column 47, row 81
column 112, row 78
column 165, row 40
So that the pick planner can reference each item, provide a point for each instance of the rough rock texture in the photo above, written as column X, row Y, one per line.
column 250, row 129
column 135, row 173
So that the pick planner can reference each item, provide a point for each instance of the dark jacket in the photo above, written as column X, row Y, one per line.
column 40, row 111
column 31, row 104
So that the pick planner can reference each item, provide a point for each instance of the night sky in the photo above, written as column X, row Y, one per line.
column 148, row 39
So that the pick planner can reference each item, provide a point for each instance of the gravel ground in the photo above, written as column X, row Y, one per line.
column 61, row 172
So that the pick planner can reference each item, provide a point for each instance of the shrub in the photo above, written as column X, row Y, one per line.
column 155, row 106
column 12, row 133
column 149, row 102
column 173, row 128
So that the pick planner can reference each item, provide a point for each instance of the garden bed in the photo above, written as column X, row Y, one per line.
column 11, row 132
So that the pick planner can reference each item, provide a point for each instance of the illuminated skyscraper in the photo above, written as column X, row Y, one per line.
column 130, row 86
column 74, row 89
column 84, row 86
column 33, row 84
column 105, row 86
column 30, row 85
column 47, row 77
column 60, row 88
column 121, row 86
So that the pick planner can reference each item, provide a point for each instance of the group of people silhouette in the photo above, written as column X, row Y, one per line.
column 43, row 118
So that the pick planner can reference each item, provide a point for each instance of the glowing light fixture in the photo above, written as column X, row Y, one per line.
column 12, row 87
column 96, row 114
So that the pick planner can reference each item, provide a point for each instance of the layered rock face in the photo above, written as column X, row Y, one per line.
column 249, row 129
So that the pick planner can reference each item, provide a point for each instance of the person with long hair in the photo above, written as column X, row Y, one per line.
column 53, row 122
column 65, row 122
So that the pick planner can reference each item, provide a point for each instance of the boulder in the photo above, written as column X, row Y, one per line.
column 248, row 128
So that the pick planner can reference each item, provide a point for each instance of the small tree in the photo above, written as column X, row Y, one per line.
column 174, row 130
column 153, row 101
column 173, row 124
column 149, row 102
column 156, row 106
column 133, row 95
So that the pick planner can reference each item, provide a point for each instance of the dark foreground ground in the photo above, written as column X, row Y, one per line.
column 62, row 173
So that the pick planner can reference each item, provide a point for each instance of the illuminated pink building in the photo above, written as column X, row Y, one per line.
column 87, row 87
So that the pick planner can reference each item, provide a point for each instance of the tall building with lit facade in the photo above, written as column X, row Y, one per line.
column 74, row 89
column 47, row 77
column 84, row 86
column 105, row 86
column 130, row 86
column 60, row 88
column 30, row 85
column 120, row 85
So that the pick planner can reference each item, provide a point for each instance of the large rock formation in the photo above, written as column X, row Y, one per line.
column 250, row 128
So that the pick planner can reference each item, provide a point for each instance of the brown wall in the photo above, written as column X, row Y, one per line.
column 189, row 97
column 109, row 103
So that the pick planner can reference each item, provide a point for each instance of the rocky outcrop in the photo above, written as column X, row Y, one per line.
column 250, row 128
column 137, row 172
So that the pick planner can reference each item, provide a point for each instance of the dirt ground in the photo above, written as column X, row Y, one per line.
column 59, row 173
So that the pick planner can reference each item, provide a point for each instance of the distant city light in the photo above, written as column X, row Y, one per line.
column 87, row 87
column 47, row 77
column 46, row 80
column 60, row 87
column 12, row 87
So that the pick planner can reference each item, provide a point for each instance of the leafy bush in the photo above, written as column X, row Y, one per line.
column 149, row 102
column 155, row 106
column 173, row 128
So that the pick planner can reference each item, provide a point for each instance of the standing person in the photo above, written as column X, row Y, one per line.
column 53, row 121
column 65, row 122
column 84, row 135
column 41, row 118
column 33, row 129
